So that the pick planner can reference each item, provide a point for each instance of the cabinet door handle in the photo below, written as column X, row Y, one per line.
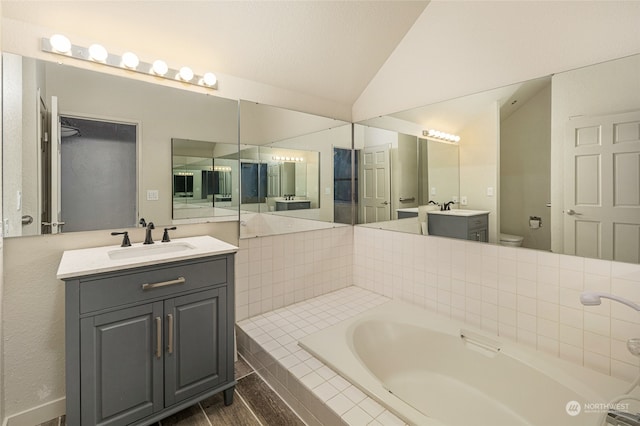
column 158, row 337
column 170, row 345
column 179, row 280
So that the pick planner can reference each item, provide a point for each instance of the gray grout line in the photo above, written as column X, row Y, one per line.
column 204, row 413
column 248, row 407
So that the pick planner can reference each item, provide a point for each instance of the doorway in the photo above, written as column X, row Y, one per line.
column 98, row 174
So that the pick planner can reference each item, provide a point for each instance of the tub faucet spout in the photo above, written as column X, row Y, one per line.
column 622, row 418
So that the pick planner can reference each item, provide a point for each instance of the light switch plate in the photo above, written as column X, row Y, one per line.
column 433, row 190
column 490, row 191
column 152, row 195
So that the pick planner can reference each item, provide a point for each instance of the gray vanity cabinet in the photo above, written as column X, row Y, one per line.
column 146, row 342
column 473, row 227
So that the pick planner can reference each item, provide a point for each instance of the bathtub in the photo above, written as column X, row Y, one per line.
column 430, row 370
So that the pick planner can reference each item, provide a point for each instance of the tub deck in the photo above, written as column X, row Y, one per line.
column 319, row 395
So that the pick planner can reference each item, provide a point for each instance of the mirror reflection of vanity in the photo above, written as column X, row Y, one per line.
column 516, row 159
column 156, row 113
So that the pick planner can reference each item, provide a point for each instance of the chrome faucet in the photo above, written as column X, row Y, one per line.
column 148, row 238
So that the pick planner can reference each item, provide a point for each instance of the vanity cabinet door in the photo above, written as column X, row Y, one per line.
column 121, row 365
column 195, row 349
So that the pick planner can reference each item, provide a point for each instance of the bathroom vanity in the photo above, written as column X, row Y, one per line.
column 462, row 224
column 149, row 329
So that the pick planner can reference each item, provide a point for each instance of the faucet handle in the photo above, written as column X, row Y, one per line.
column 165, row 236
column 125, row 239
column 143, row 222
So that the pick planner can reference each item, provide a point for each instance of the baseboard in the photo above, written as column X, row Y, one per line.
column 37, row 415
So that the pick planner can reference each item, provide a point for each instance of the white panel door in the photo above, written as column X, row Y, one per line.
column 602, row 190
column 375, row 184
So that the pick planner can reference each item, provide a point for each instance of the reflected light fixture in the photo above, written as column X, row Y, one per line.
column 440, row 136
column 96, row 53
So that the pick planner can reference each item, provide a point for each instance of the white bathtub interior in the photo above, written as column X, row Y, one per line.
column 417, row 365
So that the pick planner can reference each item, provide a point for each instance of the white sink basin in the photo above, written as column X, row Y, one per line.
column 149, row 250
column 460, row 212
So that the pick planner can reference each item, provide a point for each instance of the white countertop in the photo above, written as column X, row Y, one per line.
column 292, row 201
column 460, row 212
column 81, row 262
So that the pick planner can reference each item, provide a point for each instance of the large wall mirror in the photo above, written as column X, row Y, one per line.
column 289, row 168
column 115, row 161
column 555, row 162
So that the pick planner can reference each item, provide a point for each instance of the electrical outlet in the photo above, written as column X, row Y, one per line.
column 152, row 195
column 463, row 200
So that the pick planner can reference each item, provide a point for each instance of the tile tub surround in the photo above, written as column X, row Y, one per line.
column 279, row 270
column 525, row 295
column 319, row 396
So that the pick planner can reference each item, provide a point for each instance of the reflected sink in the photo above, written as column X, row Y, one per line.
column 460, row 212
column 149, row 250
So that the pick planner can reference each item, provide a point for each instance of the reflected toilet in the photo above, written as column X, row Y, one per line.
column 511, row 240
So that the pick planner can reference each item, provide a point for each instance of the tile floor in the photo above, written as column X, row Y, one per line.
column 254, row 404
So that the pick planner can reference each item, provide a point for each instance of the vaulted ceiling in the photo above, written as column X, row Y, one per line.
column 326, row 49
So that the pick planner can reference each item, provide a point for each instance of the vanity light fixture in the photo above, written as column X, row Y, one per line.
column 130, row 60
column 60, row 44
column 287, row 159
column 96, row 53
column 159, row 67
column 185, row 74
column 222, row 168
column 209, row 79
column 441, row 136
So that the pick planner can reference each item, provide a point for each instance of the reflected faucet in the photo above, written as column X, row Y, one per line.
column 148, row 238
column 447, row 205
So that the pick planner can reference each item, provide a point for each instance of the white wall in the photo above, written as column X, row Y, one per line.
column 479, row 164
column 613, row 88
column 460, row 47
column 525, row 171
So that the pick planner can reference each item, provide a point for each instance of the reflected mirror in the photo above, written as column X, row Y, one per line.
column 289, row 162
column 552, row 161
column 205, row 180
column 110, row 129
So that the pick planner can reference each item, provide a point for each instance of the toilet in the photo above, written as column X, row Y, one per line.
column 511, row 240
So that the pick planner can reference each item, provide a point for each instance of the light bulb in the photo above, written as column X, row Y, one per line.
column 185, row 74
column 159, row 67
column 60, row 43
column 130, row 60
column 98, row 53
column 209, row 79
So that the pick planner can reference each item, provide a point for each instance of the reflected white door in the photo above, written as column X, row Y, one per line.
column 375, row 184
column 602, row 190
column 54, row 224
